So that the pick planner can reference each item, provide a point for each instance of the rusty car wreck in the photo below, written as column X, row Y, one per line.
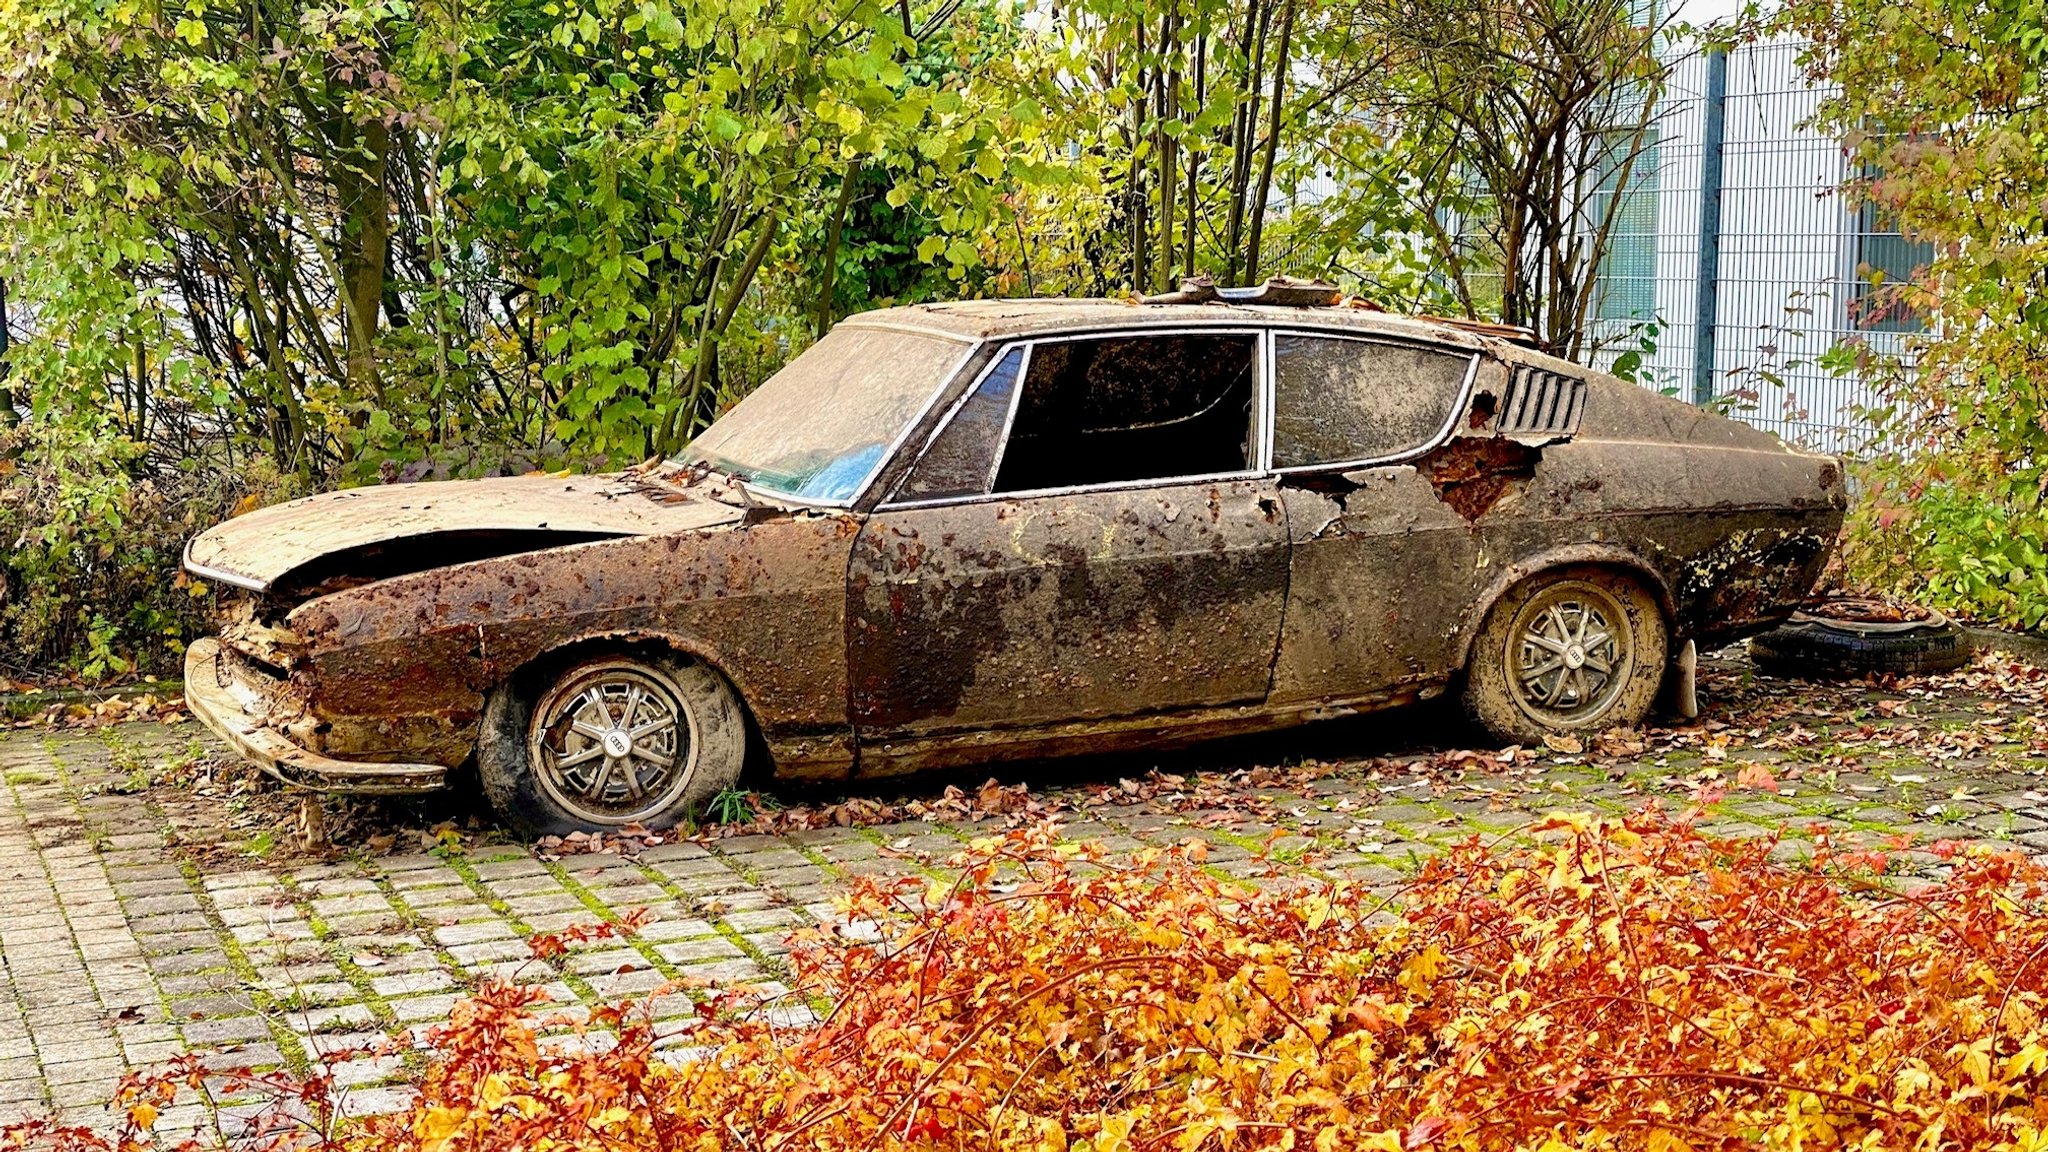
column 954, row 533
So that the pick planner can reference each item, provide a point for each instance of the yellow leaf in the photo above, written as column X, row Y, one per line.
column 2031, row 1058
column 1663, row 1141
column 434, row 1126
column 1977, row 1063
column 1419, row 971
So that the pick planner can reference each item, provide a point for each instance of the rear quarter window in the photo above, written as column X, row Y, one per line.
column 1340, row 401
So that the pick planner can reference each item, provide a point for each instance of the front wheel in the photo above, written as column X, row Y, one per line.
column 628, row 738
column 1562, row 652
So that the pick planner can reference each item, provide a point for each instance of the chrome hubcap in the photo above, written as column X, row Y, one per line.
column 612, row 743
column 1572, row 653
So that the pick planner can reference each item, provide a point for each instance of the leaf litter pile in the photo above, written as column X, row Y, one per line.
column 1617, row 985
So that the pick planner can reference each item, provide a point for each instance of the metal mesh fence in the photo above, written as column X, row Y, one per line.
column 1790, row 262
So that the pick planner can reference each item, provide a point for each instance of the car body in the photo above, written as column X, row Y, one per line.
column 963, row 532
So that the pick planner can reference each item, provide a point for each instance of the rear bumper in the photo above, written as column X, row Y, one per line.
column 235, row 699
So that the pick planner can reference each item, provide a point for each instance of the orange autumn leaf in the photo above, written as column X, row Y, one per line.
column 1756, row 776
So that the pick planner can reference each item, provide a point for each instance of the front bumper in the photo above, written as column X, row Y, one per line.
column 235, row 699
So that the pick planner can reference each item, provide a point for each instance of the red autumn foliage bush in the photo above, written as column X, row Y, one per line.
column 1628, row 985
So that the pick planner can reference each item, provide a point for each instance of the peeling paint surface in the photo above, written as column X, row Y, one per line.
column 1040, row 609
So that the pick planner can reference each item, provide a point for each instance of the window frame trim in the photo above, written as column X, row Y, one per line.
column 1261, row 417
column 945, row 421
column 1462, row 404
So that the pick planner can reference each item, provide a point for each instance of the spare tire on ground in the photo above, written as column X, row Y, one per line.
column 1851, row 637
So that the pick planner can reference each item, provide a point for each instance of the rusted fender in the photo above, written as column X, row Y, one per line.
column 764, row 603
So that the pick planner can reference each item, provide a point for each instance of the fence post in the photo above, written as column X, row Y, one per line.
column 1713, row 133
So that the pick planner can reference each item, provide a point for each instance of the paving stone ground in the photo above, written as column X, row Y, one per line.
column 149, row 908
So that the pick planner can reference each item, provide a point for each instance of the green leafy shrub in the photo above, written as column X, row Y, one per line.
column 1966, row 548
column 91, row 576
column 1943, row 105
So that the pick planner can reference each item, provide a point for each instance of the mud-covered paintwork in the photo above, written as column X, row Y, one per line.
column 873, row 638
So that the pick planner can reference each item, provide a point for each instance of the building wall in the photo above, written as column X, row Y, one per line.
column 1790, row 252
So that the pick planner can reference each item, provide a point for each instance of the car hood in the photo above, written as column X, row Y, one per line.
column 257, row 549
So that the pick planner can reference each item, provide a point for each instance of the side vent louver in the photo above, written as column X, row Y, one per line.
column 1542, row 403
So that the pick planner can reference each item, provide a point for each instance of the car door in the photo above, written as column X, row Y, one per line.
column 1381, row 568
column 1087, row 536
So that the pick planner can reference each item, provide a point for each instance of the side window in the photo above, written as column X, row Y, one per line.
column 959, row 461
column 1129, row 408
column 1336, row 401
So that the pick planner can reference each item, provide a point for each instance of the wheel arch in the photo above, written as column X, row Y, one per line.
column 558, row 653
column 1562, row 557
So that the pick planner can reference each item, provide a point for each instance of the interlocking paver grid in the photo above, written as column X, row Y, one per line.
column 141, row 924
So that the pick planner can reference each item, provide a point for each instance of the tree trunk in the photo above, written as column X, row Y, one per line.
column 1195, row 155
column 365, row 202
column 1258, row 22
column 9, row 415
column 1140, row 198
column 1277, row 120
column 704, row 371
column 821, row 318
column 1167, row 81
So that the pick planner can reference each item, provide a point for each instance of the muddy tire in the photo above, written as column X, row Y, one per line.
column 605, row 740
column 1572, row 651
column 1818, row 648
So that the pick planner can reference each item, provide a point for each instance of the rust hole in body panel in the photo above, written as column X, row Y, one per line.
column 1471, row 475
column 1483, row 407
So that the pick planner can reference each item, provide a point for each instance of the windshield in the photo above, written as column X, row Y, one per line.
column 818, row 429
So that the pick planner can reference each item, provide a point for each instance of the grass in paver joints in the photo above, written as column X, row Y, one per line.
column 732, row 935
column 246, row 973
column 336, row 947
column 418, row 926
column 127, row 760
column 605, row 913
column 460, row 864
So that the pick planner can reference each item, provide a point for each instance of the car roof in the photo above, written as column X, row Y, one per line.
column 1012, row 319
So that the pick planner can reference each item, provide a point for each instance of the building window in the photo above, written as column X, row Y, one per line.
column 1628, row 269
column 1885, row 260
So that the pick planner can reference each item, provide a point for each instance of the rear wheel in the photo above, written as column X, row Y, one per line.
column 599, row 743
column 1570, row 651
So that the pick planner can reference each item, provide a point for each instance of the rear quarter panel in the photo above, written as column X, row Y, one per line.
column 1734, row 525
